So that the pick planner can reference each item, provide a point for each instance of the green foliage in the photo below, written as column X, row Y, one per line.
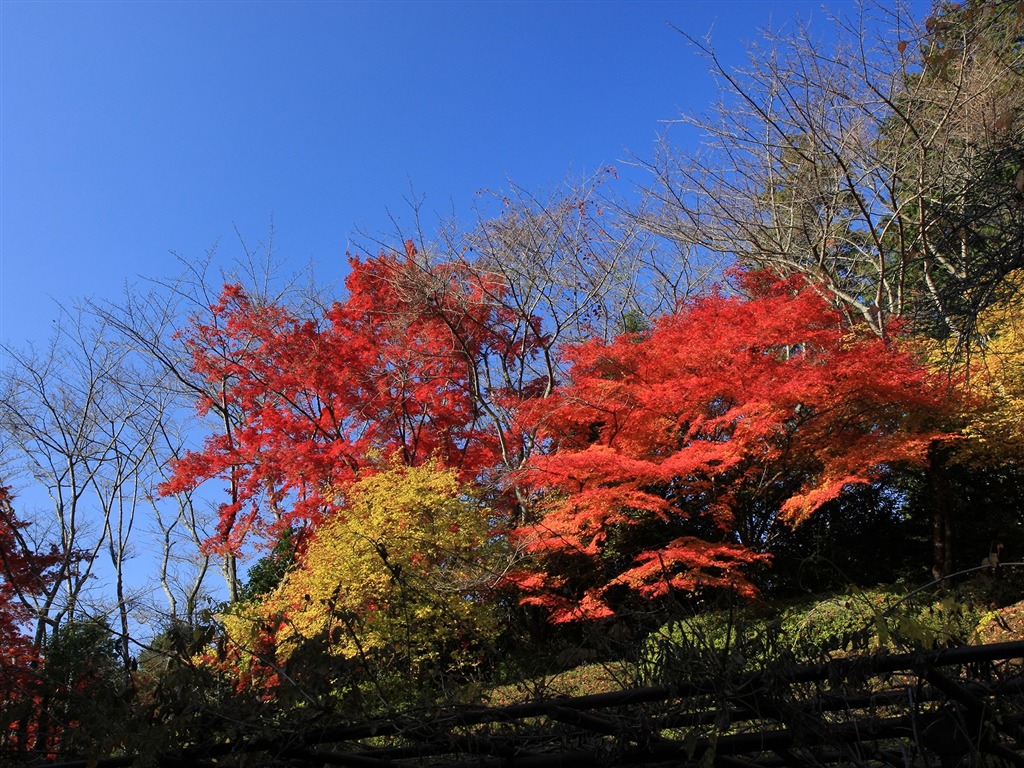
column 849, row 623
column 81, row 647
column 752, row 636
column 864, row 537
column 87, row 693
column 712, row 642
column 182, row 700
column 634, row 321
column 267, row 572
column 985, row 503
column 581, row 680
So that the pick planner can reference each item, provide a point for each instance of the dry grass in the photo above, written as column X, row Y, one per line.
column 578, row 681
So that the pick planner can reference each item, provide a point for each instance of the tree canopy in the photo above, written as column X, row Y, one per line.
column 677, row 454
column 394, row 583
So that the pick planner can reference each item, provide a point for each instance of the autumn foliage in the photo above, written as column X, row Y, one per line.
column 542, row 439
column 24, row 572
column 391, row 372
column 675, row 455
column 394, row 581
column 996, row 375
column 667, row 463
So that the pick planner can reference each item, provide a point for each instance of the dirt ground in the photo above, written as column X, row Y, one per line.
column 1003, row 625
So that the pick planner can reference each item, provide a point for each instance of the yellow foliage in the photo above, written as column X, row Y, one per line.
column 990, row 374
column 395, row 577
column 996, row 428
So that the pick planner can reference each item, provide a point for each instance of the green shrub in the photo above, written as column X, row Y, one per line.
column 848, row 623
column 711, row 642
column 861, row 621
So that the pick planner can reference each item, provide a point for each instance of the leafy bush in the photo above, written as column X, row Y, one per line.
column 390, row 589
column 713, row 642
column 861, row 621
column 842, row 623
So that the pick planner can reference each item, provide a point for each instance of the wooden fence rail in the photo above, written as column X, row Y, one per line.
column 945, row 708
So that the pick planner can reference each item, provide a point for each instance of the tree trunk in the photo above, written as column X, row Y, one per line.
column 942, row 522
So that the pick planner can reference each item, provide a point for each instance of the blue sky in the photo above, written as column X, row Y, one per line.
column 131, row 130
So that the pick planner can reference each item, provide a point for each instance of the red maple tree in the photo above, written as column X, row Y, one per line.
column 24, row 573
column 675, row 454
column 400, row 368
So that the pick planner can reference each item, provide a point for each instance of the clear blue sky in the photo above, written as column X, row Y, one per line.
column 129, row 130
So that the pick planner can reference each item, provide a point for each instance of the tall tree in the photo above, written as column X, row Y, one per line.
column 390, row 372
column 436, row 346
column 74, row 429
column 886, row 166
column 677, row 455
column 148, row 324
column 558, row 269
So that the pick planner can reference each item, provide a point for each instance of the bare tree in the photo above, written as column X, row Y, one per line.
column 66, row 421
column 146, row 325
column 885, row 166
column 181, row 526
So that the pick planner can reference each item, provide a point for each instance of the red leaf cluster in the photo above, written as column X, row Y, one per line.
column 671, row 450
column 24, row 573
column 311, row 403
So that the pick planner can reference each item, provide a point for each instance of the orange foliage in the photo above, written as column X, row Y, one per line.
column 673, row 454
column 390, row 372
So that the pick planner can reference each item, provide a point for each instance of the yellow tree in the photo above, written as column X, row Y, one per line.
column 977, row 477
column 996, row 427
column 392, row 584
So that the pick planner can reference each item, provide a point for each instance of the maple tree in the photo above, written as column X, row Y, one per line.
column 393, row 371
column 24, row 574
column 384, row 443
column 391, row 582
column 677, row 454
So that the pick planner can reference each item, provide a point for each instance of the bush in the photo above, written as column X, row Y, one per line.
column 750, row 637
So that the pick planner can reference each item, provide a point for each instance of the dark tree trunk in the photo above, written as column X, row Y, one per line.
column 942, row 520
